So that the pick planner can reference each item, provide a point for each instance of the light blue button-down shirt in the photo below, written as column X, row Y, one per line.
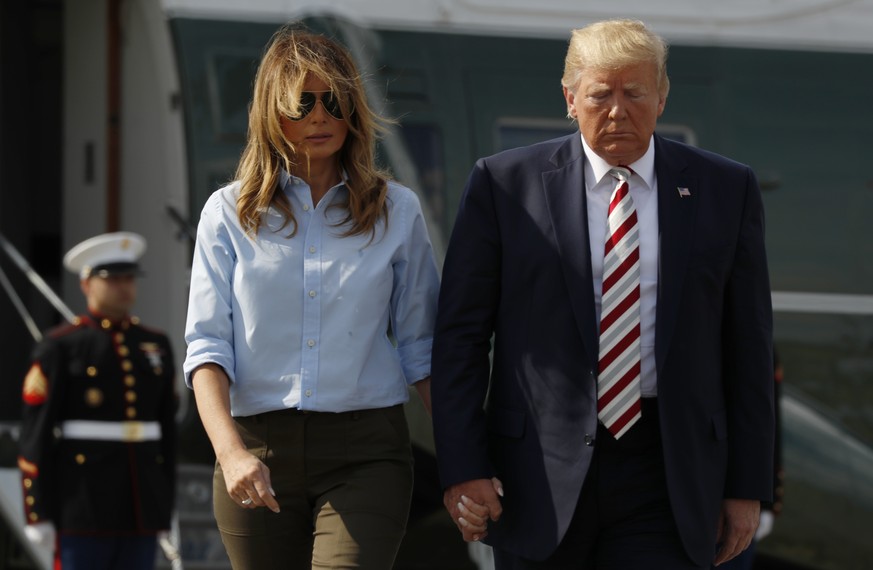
column 303, row 322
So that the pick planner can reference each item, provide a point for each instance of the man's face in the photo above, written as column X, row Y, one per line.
column 112, row 296
column 617, row 110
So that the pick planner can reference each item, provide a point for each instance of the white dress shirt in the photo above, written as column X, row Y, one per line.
column 644, row 191
column 303, row 321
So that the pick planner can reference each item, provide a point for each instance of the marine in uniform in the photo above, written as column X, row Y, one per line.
column 97, row 447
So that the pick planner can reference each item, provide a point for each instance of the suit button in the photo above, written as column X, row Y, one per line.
column 589, row 441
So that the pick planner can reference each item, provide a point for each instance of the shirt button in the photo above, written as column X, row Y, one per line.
column 308, row 393
column 589, row 441
column 311, row 249
column 312, row 293
column 310, row 343
column 305, row 207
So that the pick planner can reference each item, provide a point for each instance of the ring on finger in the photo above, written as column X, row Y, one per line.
column 247, row 501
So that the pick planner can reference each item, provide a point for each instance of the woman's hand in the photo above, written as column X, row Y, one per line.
column 248, row 480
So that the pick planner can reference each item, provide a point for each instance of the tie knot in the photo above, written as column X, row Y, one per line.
column 622, row 173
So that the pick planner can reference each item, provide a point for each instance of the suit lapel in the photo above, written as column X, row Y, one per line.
column 678, row 195
column 564, row 190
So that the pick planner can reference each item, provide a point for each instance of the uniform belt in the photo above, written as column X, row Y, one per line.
column 111, row 431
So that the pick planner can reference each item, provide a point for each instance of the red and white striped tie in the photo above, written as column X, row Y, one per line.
column 618, row 374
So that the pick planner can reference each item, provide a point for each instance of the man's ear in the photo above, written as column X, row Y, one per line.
column 570, row 98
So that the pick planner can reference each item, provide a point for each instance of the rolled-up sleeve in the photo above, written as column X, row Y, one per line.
column 414, row 298
column 209, row 325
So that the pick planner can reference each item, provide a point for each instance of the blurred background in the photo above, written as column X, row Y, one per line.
column 127, row 114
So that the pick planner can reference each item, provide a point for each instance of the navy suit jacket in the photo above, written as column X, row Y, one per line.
column 518, row 274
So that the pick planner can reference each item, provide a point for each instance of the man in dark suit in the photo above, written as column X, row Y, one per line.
column 97, row 448
column 650, row 446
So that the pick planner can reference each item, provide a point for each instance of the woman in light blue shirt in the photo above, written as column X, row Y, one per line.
column 313, row 293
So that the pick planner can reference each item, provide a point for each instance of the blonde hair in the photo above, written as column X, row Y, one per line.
column 292, row 55
column 615, row 44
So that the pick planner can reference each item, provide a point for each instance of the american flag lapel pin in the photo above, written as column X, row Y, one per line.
column 683, row 191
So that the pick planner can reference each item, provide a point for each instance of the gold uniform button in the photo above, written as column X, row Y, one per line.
column 91, row 371
column 126, row 365
column 119, row 338
column 129, row 381
column 134, row 320
column 80, row 458
column 130, row 412
column 93, row 397
column 28, row 483
column 33, row 517
column 130, row 396
column 158, row 370
column 30, row 501
column 123, row 351
column 106, row 324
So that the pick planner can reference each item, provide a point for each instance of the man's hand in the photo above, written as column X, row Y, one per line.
column 736, row 527
column 472, row 503
column 169, row 549
column 41, row 534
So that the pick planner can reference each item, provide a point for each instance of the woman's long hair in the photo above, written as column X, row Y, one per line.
column 293, row 54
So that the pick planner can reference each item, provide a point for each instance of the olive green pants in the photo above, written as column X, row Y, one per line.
column 343, row 483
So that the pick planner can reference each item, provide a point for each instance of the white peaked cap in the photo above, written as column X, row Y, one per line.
column 116, row 252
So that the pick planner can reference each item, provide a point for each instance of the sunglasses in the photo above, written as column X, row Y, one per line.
column 329, row 101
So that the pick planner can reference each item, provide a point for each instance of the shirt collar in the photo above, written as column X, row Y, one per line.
column 286, row 178
column 644, row 167
column 99, row 320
